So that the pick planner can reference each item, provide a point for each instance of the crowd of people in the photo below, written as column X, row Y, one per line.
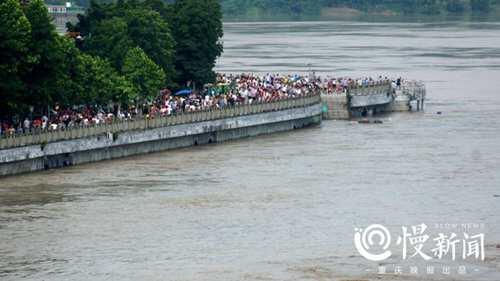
column 341, row 85
column 228, row 90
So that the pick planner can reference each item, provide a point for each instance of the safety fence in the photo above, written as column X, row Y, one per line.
column 378, row 88
column 46, row 136
column 362, row 90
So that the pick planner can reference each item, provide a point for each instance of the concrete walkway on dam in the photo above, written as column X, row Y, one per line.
column 56, row 149
column 61, row 148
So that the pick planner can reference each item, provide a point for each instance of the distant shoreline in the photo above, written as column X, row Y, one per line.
column 366, row 18
column 349, row 14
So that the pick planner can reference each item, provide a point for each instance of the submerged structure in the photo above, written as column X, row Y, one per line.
column 367, row 101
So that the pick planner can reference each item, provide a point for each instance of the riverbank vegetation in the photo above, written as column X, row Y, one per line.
column 234, row 10
column 352, row 8
column 123, row 52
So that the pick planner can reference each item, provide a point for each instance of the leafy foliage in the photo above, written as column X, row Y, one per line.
column 44, row 68
column 125, row 52
column 111, row 30
column 145, row 76
column 149, row 31
column 110, row 40
column 15, row 33
column 99, row 82
column 197, row 29
column 182, row 37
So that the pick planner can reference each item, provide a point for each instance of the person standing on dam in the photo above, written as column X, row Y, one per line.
column 228, row 90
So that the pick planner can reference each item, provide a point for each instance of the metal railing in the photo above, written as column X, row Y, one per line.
column 375, row 88
column 415, row 90
column 43, row 137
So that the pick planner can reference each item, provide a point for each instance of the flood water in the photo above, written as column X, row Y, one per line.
column 284, row 206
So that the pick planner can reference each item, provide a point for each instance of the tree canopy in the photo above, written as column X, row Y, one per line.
column 197, row 30
column 122, row 52
column 145, row 76
column 182, row 37
column 111, row 30
column 15, row 36
column 46, row 57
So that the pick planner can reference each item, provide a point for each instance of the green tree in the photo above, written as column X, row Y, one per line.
column 67, row 85
column 94, row 13
column 44, row 48
column 148, row 30
column 197, row 30
column 146, row 77
column 159, row 6
column 86, row 79
column 100, row 83
column 15, row 32
column 110, row 30
column 110, row 40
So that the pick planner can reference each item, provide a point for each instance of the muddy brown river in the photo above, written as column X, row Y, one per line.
column 285, row 206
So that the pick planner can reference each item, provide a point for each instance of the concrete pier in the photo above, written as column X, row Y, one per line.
column 372, row 100
column 401, row 103
column 336, row 107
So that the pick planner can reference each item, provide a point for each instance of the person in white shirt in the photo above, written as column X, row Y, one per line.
column 26, row 125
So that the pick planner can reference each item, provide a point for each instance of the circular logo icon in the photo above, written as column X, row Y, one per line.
column 374, row 236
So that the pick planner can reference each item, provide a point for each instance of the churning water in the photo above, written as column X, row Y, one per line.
column 284, row 206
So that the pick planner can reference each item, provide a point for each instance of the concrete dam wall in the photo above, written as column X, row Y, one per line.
column 48, row 150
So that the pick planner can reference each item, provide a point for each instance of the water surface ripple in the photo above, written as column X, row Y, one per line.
column 284, row 206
